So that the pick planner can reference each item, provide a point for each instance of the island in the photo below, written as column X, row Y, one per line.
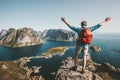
column 19, row 38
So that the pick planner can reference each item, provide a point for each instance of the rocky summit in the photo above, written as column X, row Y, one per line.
column 19, row 38
column 67, row 72
column 94, row 71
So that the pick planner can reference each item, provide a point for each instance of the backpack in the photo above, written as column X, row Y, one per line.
column 85, row 36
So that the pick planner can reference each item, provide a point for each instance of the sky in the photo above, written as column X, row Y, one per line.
column 46, row 14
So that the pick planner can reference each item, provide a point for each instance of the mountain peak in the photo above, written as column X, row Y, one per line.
column 18, row 38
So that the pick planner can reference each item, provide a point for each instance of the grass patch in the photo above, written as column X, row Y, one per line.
column 9, row 70
column 53, row 51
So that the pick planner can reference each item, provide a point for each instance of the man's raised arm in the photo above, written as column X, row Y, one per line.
column 63, row 19
column 105, row 21
column 93, row 28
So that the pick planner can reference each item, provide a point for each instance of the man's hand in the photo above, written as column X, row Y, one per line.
column 107, row 19
column 63, row 19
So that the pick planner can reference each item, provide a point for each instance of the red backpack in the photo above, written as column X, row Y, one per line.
column 85, row 36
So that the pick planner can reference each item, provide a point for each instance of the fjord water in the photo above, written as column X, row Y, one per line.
column 7, row 53
column 109, row 43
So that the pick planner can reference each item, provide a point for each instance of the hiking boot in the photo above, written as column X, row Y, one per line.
column 83, row 71
column 74, row 68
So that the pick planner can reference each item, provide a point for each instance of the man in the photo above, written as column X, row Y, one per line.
column 83, row 47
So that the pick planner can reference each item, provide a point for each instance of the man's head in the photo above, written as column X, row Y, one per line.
column 83, row 23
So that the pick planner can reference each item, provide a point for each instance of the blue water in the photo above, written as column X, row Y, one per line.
column 7, row 53
column 109, row 45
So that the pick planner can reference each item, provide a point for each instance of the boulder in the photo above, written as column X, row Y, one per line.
column 95, row 48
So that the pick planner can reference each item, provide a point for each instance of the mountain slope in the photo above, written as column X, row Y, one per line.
column 20, row 37
column 58, row 35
